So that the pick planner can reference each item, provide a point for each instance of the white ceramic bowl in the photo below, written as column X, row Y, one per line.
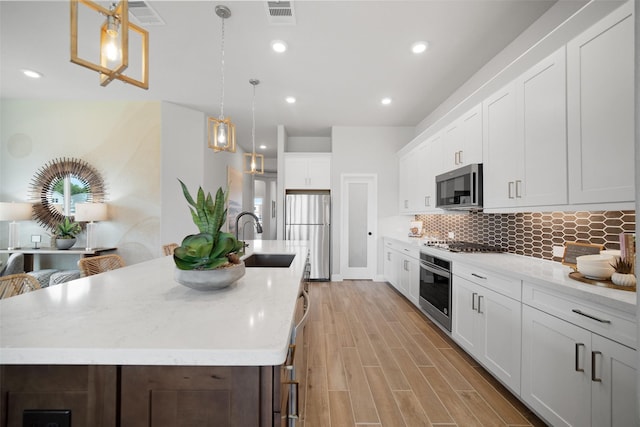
column 596, row 266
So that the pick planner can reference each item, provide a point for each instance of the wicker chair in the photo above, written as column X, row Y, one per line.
column 7, row 288
column 21, row 283
column 169, row 248
column 99, row 264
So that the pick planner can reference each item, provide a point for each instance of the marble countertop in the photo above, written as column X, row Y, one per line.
column 536, row 271
column 139, row 315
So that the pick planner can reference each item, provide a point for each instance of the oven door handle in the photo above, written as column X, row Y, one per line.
column 434, row 270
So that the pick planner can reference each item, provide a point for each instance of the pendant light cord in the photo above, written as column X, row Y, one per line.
column 222, row 73
column 253, row 124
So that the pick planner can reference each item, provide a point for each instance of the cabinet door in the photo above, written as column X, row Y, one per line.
column 555, row 368
column 464, row 324
column 601, row 122
column 295, row 172
column 500, row 343
column 542, row 125
column 452, row 145
column 502, row 153
column 613, row 383
column 404, row 183
column 471, row 137
column 319, row 172
column 390, row 266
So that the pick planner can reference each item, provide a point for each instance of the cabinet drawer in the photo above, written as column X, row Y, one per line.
column 504, row 285
column 412, row 251
column 592, row 317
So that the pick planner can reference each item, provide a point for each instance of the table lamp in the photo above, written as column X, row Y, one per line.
column 14, row 212
column 91, row 212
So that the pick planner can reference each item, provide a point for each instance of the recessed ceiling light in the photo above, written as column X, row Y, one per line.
column 263, row 147
column 419, row 47
column 279, row 46
column 386, row 101
column 32, row 74
column 290, row 100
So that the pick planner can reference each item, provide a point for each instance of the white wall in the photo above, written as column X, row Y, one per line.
column 308, row 144
column 120, row 139
column 367, row 150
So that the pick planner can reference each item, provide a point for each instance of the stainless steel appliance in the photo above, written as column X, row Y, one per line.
column 308, row 217
column 460, row 188
column 435, row 288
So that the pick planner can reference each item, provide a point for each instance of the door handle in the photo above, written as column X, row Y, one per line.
column 460, row 157
column 518, row 189
column 511, row 189
column 370, row 233
column 578, row 368
column 590, row 316
column 593, row 366
column 480, row 298
column 473, row 301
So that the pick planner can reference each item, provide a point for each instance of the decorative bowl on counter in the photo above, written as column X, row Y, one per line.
column 209, row 280
column 596, row 266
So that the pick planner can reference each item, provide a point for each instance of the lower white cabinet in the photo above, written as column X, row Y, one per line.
column 573, row 377
column 488, row 326
column 402, row 268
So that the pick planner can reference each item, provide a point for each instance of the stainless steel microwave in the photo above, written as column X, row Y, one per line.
column 460, row 189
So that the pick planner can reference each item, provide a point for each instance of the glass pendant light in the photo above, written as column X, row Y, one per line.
column 253, row 163
column 221, row 132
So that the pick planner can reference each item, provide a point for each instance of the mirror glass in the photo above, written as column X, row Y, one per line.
column 59, row 185
column 65, row 192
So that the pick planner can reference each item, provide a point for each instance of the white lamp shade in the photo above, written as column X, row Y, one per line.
column 10, row 211
column 91, row 212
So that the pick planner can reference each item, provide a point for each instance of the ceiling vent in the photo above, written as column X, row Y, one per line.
column 281, row 12
column 143, row 14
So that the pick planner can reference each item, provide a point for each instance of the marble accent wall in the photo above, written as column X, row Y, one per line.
column 533, row 233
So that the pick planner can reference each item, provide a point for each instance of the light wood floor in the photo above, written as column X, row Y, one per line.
column 375, row 360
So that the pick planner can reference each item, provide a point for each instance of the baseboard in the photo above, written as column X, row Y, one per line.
column 336, row 278
column 378, row 278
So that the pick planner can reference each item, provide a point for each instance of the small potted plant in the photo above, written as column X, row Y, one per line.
column 623, row 276
column 65, row 233
column 209, row 259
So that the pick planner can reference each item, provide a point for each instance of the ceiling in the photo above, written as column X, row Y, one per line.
column 343, row 58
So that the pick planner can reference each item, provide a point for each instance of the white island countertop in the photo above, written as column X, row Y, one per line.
column 139, row 315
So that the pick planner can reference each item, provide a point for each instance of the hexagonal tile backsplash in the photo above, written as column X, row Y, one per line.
column 533, row 233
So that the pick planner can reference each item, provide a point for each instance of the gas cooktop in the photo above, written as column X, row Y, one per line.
column 458, row 246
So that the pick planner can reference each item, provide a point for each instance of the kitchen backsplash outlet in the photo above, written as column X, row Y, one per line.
column 533, row 233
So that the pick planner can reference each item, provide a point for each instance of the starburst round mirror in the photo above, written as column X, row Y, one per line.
column 59, row 185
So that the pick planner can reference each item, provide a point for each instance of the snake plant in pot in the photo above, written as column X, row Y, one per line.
column 209, row 259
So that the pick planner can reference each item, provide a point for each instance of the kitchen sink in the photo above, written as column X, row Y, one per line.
column 269, row 260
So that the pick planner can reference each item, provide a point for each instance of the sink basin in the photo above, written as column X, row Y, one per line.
column 269, row 260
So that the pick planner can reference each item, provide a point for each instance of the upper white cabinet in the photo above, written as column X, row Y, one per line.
column 307, row 171
column 463, row 140
column 417, row 171
column 525, row 139
column 601, row 120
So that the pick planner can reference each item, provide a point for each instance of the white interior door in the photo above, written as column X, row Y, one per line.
column 359, row 215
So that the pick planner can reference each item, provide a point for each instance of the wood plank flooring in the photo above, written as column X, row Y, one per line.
column 373, row 359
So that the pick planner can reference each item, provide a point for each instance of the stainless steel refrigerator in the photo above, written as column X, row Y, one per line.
column 308, row 217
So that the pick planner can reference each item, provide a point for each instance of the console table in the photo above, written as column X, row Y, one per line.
column 32, row 261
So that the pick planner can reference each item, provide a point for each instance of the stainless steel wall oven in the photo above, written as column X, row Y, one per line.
column 435, row 288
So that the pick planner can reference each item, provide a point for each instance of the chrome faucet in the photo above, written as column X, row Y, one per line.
column 257, row 220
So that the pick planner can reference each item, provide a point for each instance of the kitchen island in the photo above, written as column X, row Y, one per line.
column 132, row 344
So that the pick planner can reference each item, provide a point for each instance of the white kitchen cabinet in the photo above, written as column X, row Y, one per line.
column 525, row 139
column 463, row 140
column 402, row 268
column 600, row 71
column 487, row 325
column 573, row 377
column 307, row 171
column 502, row 152
column 417, row 171
column 407, row 180
column 391, row 259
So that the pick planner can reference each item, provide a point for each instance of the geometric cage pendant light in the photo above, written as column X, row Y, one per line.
column 221, row 133
column 113, row 45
